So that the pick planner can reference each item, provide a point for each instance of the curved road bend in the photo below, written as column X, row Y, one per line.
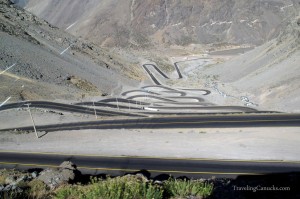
column 204, row 121
column 207, row 92
column 166, row 88
column 139, row 91
column 181, row 94
column 157, row 69
column 151, row 76
column 145, row 66
column 162, row 73
column 115, row 100
column 197, row 99
column 153, row 97
column 176, row 167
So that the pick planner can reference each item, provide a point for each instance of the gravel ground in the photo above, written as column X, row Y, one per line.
column 238, row 143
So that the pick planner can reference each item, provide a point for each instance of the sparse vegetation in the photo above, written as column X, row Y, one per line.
column 186, row 188
column 113, row 188
column 132, row 187
column 82, row 84
column 37, row 189
column 126, row 187
column 2, row 180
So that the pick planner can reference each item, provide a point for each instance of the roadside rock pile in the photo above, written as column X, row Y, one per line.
column 66, row 173
column 18, row 182
column 14, row 181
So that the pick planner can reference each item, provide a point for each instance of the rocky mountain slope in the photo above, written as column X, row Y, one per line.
column 269, row 74
column 181, row 22
column 40, row 70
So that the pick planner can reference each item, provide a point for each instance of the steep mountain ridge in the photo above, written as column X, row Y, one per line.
column 144, row 23
column 269, row 74
column 51, row 64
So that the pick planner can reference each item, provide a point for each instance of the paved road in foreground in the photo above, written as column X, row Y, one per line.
column 121, row 164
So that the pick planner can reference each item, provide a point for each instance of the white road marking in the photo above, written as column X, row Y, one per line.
column 151, row 109
column 5, row 101
column 70, row 26
column 8, row 68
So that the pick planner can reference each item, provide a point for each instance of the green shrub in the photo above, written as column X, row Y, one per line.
column 37, row 189
column 2, row 180
column 128, row 187
column 185, row 188
column 70, row 192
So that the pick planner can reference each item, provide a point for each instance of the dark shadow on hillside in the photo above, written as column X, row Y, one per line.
column 85, row 179
column 244, row 187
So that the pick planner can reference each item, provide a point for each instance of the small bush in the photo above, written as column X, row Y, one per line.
column 37, row 189
column 12, row 195
column 70, row 192
column 185, row 188
column 128, row 187
column 2, row 180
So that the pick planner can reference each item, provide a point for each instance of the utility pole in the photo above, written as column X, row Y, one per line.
column 95, row 110
column 146, row 95
column 117, row 103
column 141, row 101
column 32, row 120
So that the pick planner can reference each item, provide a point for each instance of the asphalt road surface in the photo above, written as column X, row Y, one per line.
column 207, row 121
column 120, row 165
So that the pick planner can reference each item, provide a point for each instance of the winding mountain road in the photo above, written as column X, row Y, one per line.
column 175, row 108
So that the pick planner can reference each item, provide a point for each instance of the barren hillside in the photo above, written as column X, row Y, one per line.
column 268, row 75
column 39, row 61
column 148, row 22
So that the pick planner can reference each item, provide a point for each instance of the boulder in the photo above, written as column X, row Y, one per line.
column 10, row 180
column 14, row 188
column 34, row 174
column 66, row 173
column 68, row 165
